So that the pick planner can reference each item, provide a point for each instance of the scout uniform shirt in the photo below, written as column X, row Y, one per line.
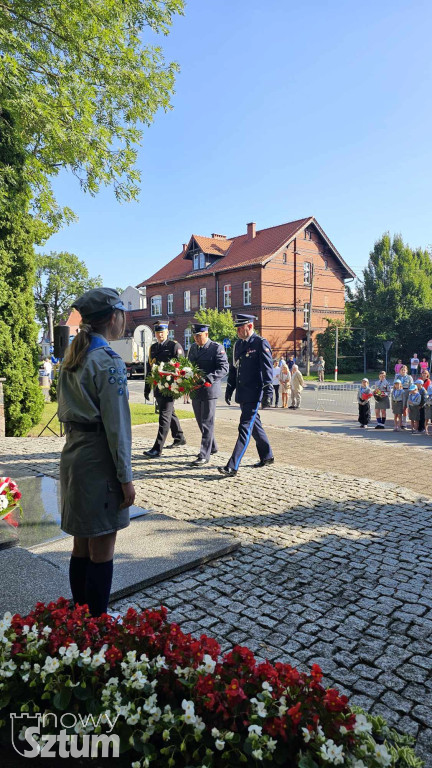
column 251, row 375
column 97, row 393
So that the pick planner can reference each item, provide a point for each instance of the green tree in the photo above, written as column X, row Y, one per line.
column 350, row 348
column 18, row 331
column 396, row 282
column 80, row 83
column 221, row 324
column 60, row 278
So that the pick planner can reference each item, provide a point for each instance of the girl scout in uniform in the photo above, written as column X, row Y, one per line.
column 406, row 381
column 397, row 404
column 95, row 465
column 383, row 401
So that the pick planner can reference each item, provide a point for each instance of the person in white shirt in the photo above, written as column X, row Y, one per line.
column 276, row 382
column 47, row 366
column 297, row 384
column 415, row 362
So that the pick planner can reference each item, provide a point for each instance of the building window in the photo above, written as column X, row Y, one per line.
column 247, row 292
column 187, row 339
column 156, row 306
column 203, row 298
column 170, row 303
column 227, row 295
column 186, row 296
column 171, row 335
column 307, row 272
column 325, row 263
column 306, row 313
column 129, row 306
column 308, row 234
column 196, row 261
column 326, row 301
column 202, row 261
column 284, row 258
column 143, row 302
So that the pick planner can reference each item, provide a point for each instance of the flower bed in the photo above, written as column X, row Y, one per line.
column 172, row 700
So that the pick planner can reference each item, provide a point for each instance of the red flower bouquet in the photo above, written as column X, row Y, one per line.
column 176, row 378
column 9, row 497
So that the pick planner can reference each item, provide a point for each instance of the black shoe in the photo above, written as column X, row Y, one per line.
column 227, row 471
column 176, row 443
column 152, row 453
column 264, row 462
column 291, row 407
column 213, row 452
column 199, row 462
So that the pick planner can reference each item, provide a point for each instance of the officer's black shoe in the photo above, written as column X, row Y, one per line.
column 176, row 443
column 227, row 471
column 292, row 407
column 264, row 462
column 152, row 453
column 199, row 462
column 213, row 452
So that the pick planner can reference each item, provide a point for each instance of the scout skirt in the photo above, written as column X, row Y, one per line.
column 397, row 407
column 414, row 412
column 405, row 397
column 428, row 411
column 90, row 491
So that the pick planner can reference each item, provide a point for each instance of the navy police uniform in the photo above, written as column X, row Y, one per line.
column 213, row 362
column 168, row 419
column 251, row 376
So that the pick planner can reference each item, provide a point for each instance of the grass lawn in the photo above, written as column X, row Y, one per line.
column 140, row 413
column 344, row 378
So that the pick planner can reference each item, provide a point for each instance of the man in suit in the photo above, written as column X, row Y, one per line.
column 213, row 362
column 163, row 350
column 251, row 377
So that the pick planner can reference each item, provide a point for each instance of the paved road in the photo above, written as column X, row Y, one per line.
column 334, row 567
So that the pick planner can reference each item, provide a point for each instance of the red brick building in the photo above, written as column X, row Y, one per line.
column 275, row 274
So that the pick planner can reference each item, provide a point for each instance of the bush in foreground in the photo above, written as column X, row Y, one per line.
column 175, row 700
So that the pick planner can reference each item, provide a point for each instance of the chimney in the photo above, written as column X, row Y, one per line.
column 184, row 247
column 221, row 237
column 251, row 230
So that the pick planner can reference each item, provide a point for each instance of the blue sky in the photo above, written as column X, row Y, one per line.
column 282, row 110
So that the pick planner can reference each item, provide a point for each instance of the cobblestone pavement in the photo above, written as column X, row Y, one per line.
column 333, row 569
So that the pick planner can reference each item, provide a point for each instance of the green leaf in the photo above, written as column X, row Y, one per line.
column 62, row 699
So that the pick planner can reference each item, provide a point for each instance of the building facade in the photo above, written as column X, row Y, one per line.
column 290, row 276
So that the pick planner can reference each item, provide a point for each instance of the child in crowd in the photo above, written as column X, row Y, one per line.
column 424, row 365
column 363, row 397
column 406, row 381
column 397, row 405
column 321, row 369
column 419, row 385
column 414, row 402
column 381, row 390
column 398, row 366
column 428, row 409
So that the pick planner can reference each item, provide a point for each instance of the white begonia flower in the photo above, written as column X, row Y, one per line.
column 332, row 753
column 133, row 719
column 209, row 664
column 229, row 735
column 362, row 725
column 200, row 725
column 136, row 764
column 343, row 730
column 36, row 668
column 51, row 665
column 168, row 378
column 266, row 686
column 215, row 733
column 25, row 666
column 320, row 732
column 131, row 656
column 220, row 744
column 381, row 755
column 255, row 729
column 25, row 629
column 306, row 735
column 261, row 710
column 271, row 745
column 257, row 754
column 3, row 502
column 46, row 631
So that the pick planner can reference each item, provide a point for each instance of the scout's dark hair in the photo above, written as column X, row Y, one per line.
column 76, row 352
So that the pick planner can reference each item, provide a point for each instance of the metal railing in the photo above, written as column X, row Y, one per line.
column 338, row 398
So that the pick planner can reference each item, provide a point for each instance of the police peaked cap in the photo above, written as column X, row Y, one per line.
column 199, row 327
column 240, row 320
column 160, row 325
column 98, row 302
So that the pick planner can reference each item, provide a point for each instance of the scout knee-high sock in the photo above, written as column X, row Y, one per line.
column 77, row 578
column 383, row 419
column 98, row 586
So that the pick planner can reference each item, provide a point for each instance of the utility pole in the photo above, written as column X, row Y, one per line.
column 50, row 316
column 337, row 351
column 308, row 347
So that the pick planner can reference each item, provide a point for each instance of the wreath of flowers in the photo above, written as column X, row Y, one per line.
column 175, row 700
column 176, row 378
column 9, row 498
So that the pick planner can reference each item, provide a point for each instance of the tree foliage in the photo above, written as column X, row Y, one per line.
column 60, row 278
column 80, row 83
column 396, row 287
column 18, row 331
column 221, row 324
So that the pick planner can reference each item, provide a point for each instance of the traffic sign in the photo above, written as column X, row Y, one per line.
column 429, row 344
column 387, row 345
column 227, row 343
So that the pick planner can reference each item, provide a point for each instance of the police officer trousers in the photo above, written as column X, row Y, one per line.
column 205, row 411
column 167, row 420
column 250, row 426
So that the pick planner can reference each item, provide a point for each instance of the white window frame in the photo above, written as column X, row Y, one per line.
column 306, row 310
column 203, row 298
column 247, row 293
column 202, row 260
column 187, row 338
column 307, row 272
column 196, row 261
column 186, row 301
column 227, row 295
column 170, row 303
column 171, row 334
column 284, row 258
column 325, row 263
column 156, row 305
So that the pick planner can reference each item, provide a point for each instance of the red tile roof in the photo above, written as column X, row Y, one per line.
column 240, row 251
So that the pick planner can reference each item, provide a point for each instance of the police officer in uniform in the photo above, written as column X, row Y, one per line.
column 162, row 351
column 95, row 465
column 213, row 362
column 251, row 377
